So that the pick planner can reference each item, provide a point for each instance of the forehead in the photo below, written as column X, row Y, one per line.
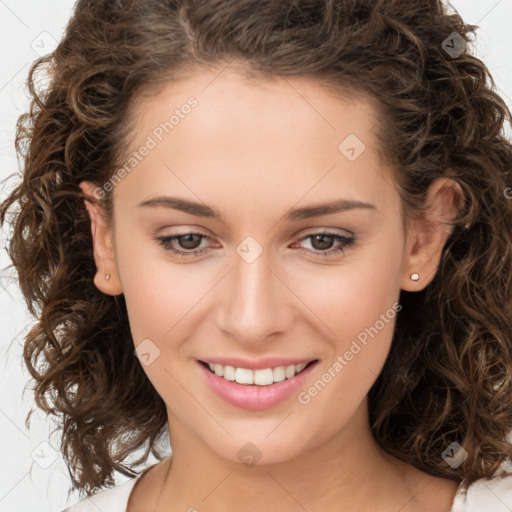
column 280, row 139
column 231, row 97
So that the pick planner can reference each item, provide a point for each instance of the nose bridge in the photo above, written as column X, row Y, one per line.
column 257, row 304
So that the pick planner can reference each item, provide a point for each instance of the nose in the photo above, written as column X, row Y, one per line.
column 256, row 302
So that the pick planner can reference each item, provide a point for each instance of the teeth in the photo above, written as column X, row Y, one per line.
column 289, row 371
column 263, row 377
column 229, row 372
column 244, row 376
column 279, row 374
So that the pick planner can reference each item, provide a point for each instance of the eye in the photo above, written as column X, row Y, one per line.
column 190, row 244
column 322, row 243
column 188, row 241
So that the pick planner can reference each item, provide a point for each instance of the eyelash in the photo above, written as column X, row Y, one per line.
column 166, row 242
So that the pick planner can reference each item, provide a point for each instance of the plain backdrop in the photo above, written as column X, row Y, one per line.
column 33, row 476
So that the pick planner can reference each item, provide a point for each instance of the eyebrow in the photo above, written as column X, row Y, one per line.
column 202, row 210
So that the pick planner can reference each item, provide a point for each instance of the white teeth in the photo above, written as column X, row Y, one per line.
column 290, row 371
column 263, row 377
column 300, row 367
column 229, row 372
column 279, row 374
column 244, row 376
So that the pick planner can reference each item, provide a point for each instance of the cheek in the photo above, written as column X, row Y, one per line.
column 360, row 349
column 347, row 299
column 158, row 291
column 355, row 307
column 160, row 297
column 163, row 300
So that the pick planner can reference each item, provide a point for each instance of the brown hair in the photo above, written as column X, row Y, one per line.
column 448, row 375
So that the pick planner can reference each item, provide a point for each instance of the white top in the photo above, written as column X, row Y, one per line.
column 481, row 496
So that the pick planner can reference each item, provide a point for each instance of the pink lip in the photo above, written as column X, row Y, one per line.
column 253, row 396
column 260, row 364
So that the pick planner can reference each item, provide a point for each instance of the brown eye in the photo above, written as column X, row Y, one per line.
column 189, row 241
column 322, row 243
column 183, row 245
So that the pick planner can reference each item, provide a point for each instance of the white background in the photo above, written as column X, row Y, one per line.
column 33, row 476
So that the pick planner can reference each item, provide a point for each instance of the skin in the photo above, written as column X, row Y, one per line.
column 253, row 150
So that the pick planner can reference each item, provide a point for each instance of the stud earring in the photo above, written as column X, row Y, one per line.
column 415, row 277
column 107, row 277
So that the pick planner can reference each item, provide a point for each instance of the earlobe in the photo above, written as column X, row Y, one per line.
column 428, row 235
column 106, row 278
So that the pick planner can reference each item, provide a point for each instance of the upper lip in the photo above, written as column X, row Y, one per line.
column 258, row 364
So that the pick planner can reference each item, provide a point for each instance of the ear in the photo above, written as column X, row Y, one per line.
column 103, row 249
column 427, row 235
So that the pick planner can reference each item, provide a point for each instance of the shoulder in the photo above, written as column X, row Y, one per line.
column 113, row 500
column 484, row 495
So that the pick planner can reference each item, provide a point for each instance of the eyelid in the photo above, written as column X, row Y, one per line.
column 328, row 231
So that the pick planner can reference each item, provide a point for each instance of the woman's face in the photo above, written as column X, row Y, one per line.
column 273, row 277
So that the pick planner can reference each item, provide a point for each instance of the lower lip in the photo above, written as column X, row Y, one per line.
column 252, row 396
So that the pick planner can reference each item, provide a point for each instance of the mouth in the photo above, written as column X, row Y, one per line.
column 260, row 377
column 258, row 388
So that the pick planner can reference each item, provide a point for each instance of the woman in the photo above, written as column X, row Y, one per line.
column 280, row 233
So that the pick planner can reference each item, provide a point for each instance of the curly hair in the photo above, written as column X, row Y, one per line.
column 448, row 375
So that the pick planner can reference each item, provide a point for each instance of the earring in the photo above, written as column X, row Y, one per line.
column 107, row 277
column 415, row 277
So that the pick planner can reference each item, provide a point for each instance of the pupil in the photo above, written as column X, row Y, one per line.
column 187, row 239
column 322, row 237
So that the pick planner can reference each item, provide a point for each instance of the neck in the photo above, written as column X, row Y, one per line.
column 348, row 471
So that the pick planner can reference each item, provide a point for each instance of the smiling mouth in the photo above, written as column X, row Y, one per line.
column 263, row 377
